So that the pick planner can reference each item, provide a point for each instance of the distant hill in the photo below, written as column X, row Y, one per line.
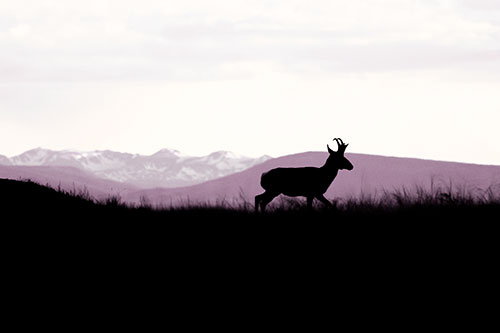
column 371, row 176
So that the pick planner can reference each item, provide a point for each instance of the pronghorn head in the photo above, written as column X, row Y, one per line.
column 337, row 159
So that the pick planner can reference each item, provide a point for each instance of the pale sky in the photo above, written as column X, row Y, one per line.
column 403, row 78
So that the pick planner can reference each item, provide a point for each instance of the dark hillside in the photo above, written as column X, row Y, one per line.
column 26, row 199
column 358, row 236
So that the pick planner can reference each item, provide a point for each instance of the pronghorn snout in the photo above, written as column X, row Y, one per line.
column 347, row 165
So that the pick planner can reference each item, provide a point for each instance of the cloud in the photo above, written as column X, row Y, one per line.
column 485, row 5
column 170, row 40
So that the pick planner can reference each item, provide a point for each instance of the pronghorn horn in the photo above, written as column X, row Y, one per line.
column 338, row 143
column 341, row 145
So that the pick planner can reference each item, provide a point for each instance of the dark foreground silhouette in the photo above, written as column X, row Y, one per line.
column 61, row 245
column 359, row 230
column 309, row 182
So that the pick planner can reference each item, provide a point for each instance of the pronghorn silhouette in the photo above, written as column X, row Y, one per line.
column 309, row 182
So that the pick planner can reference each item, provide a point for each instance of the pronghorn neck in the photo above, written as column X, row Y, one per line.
column 329, row 170
column 330, row 167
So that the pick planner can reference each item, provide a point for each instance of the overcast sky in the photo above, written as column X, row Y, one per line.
column 401, row 78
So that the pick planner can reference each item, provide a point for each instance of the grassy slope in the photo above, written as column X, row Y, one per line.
column 25, row 199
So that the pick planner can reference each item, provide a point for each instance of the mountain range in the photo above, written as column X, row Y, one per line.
column 225, row 177
column 166, row 168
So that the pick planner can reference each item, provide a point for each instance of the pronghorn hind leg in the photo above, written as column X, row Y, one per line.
column 258, row 199
column 309, row 202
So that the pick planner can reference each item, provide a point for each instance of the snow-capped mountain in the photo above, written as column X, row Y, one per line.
column 4, row 160
column 165, row 168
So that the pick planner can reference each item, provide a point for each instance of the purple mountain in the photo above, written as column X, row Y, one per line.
column 370, row 177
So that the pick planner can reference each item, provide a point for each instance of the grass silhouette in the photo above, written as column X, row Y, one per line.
column 29, row 200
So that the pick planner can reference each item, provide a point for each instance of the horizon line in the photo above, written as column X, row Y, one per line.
column 181, row 154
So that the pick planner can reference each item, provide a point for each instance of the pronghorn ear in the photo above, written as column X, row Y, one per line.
column 329, row 150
